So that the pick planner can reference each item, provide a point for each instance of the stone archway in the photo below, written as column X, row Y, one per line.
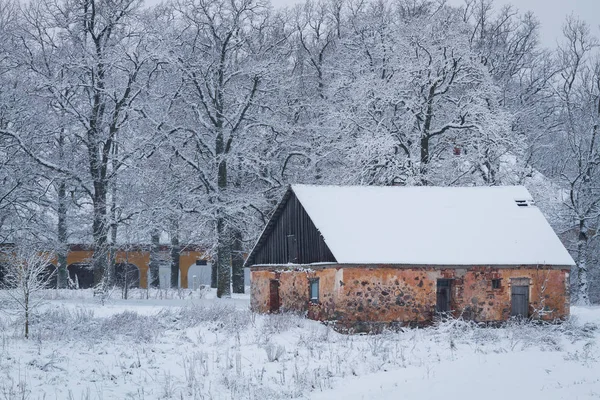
column 127, row 275
column 51, row 274
column 140, row 260
column 194, row 261
column 81, row 275
column 199, row 274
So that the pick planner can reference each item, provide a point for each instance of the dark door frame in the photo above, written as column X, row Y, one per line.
column 274, row 298
column 519, row 301
column 443, row 296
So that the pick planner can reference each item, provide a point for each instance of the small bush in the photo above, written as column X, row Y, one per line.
column 133, row 325
column 224, row 317
column 274, row 353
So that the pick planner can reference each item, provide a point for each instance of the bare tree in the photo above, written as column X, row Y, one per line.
column 90, row 61
column 579, row 94
column 221, row 55
column 27, row 273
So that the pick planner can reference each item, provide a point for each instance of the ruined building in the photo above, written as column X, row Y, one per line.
column 354, row 254
column 132, row 265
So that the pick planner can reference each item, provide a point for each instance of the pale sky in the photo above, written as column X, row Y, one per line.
column 551, row 13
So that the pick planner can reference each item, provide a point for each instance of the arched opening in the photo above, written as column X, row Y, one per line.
column 81, row 276
column 164, row 275
column 51, row 276
column 199, row 274
column 127, row 276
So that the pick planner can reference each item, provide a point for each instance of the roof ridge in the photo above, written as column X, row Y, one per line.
column 405, row 187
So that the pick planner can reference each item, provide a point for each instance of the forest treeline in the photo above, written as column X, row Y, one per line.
column 183, row 122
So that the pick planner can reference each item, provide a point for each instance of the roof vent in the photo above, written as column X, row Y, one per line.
column 525, row 203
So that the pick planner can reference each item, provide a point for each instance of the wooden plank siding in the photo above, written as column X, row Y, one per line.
column 290, row 218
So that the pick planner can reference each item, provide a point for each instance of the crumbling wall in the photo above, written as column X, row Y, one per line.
column 352, row 294
column 385, row 294
column 259, row 290
column 294, row 290
column 548, row 292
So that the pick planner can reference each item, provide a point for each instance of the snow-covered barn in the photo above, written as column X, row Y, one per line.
column 365, row 254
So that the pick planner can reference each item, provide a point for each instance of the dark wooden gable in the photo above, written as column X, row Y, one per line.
column 290, row 237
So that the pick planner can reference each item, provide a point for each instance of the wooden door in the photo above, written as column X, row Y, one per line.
column 274, row 296
column 443, row 295
column 519, row 301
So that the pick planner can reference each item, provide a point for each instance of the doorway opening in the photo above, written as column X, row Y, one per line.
column 443, row 296
column 127, row 276
column 81, row 276
column 519, row 301
column 274, row 301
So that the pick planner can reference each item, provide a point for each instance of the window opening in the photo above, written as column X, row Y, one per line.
column 314, row 290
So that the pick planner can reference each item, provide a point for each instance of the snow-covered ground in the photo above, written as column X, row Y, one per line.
column 189, row 345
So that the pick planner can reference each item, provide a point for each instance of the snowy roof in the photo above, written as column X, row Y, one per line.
column 432, row 225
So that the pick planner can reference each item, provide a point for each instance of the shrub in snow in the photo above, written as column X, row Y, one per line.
column 221, row 316
column 279, row 323
column 274, row 352
column 15, row 389
column 219, row 351
column 131, row 324
column 66, row 324
column 26, row 275
column 586, row 356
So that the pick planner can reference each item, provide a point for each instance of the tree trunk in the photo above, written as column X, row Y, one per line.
column 425, row 156
column 26, row 301
column 223, row 259
column 114, row 227
column 100, row 234
column 175, row 249
column 62, row 277
column 214, row 278
column 153, row 278
column 110, row 275
column 237, row 262
column 583, row 298
column 223, row 230
column 126, row 282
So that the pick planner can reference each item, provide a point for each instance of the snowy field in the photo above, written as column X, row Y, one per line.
column 189, row 345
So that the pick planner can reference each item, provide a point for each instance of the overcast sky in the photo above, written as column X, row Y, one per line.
column 551, row 13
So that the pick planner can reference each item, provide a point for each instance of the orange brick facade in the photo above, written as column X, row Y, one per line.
column 353, row 294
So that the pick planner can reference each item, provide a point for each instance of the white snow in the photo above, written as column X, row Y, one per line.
column 432, row 225
column 180, row 344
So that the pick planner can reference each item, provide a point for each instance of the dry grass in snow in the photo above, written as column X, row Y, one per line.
column 188, row 345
